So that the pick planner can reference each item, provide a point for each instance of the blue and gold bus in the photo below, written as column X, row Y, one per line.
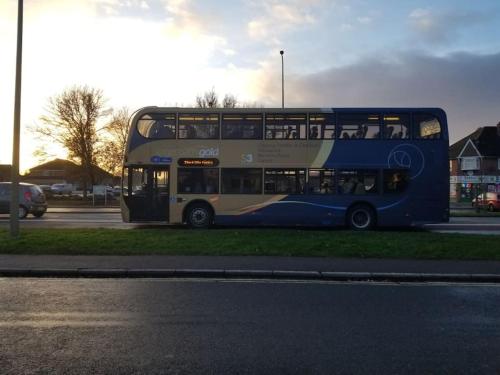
column 362, row 167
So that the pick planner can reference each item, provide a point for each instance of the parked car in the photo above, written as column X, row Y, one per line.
column 60, row 189
column 31, row 200
column 490, row 201
column 46, row 190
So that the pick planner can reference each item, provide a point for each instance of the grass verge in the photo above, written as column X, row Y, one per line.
column 473, row 213
column 270, row 242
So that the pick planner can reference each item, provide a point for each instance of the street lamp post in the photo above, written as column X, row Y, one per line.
column 282, row 80
column 14, row 201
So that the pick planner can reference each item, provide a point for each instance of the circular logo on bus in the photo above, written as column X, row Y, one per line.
column 407, row 156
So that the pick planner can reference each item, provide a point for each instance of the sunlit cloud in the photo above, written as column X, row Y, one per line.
column 279, row 17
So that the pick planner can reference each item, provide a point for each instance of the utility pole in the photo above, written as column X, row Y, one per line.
column 282, row 80
column 14, row 197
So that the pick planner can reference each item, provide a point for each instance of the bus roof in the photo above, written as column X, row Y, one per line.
column 154, row 109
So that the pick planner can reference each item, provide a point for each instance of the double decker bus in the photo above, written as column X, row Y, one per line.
column 362, row 167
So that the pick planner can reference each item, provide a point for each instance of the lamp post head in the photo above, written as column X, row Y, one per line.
column 282, row 52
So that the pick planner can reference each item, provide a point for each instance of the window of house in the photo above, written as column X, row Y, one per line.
column 198, row 126
column 470, row 163
column 284, row 181
column 241, row 180
column 395, row 180
column 322, row 126
column 286, row 126
column 321, row 181
column 242, row 126
column 359, row 126
column 197, row 180
column 426, row 126
column 357, row 181
column 160, row 126
column 397, row 126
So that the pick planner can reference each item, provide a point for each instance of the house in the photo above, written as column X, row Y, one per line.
column 65, row 171
column 5, row 172
column 475, row 164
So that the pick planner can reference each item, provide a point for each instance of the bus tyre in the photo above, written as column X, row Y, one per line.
column 361, row 217
column 199, row 216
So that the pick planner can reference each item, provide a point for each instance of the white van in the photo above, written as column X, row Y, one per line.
column 61, row 189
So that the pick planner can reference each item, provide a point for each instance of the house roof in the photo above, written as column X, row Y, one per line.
column 65, row 165
column 56, row 164
column 485, row 139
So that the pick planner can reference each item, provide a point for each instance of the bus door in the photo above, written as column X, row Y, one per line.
column 148, row 193
column 160, row 197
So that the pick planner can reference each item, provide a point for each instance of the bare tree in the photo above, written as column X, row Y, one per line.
column 209, row 99
column 71, row 121
column 115, row 141
column 229, row 101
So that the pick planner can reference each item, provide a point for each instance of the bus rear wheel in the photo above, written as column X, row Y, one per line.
column 199, row 216
column 361, row 217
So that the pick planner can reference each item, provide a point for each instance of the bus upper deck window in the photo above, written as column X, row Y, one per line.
column 242, row 126
column 158, row 126
column 396, row 126
column 199, row 126
column 426, row 126
column 359, row 126
column 286, row 126
column 322, row 126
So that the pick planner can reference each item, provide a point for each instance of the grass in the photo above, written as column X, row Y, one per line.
column 269, row 242
column 473, row 213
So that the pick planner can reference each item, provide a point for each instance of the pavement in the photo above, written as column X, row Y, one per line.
column 159, row 266
column 395, row 270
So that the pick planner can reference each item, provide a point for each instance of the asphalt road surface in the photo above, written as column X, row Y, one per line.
column 111, row 218
column 252, row 327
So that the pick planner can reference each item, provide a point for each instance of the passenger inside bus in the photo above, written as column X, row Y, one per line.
column 313, row 133
column 397, row 183
column 190, row 131
column 325, row 188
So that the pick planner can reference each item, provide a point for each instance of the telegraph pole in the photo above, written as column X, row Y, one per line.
column 14, row 201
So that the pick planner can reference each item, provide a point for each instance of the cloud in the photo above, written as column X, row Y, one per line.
column 464, row 85
column 364, row 20
column 279, row 17
column 442, row 27
column 346, row 27
column 135, row 61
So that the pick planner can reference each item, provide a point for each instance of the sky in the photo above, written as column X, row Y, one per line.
column 338, row 53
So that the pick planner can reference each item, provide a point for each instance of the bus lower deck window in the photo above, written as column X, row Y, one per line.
column 358, row 182
column 198, row 180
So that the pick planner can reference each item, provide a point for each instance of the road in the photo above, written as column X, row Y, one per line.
column 261, row 327
column 111, row 218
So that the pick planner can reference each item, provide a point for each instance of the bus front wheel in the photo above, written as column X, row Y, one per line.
column 361, row 217
column 199, row 216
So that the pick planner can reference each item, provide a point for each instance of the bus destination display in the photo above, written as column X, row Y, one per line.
column 198, row 162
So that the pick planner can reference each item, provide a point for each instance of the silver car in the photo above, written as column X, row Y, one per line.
column 31, row 200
